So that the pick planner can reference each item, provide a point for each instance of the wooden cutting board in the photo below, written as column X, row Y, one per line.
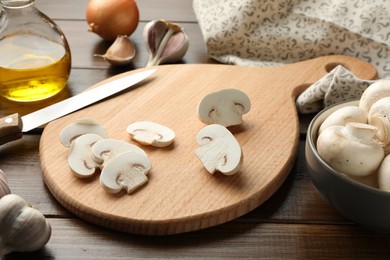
column 181, row 195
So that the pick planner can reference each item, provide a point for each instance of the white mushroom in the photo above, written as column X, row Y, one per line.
column 344, row 115
column 80, row 156
column 224, row 107
column 125, row 171
column 379, row 116
column 80, row 127
column 150, row 133
column 106, row 149
column 219, row 150
column 351, row 149
column 384, row 174
column 374, row 92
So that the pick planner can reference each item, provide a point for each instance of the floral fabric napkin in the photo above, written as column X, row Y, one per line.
column 275, row 32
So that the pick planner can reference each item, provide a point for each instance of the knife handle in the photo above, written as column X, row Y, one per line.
column 10, row 128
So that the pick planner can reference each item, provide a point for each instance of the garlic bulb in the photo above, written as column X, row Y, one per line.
column 4, row 188
column 167, row 42
column 121, row 52
column 22, row 228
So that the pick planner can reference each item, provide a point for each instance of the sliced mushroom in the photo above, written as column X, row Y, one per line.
column 80, row 127
column 344, row 115
column 80, row 155
column 106, row 149
column 374, row 92
column 219, row 150
column 150, row 133
column 126, row 171
column 224, row 107
column 379, row 116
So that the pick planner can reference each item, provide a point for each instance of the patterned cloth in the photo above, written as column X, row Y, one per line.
column 338, row 85
column 275, row 32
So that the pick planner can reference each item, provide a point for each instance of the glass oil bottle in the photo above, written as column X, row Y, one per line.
column 35, row 58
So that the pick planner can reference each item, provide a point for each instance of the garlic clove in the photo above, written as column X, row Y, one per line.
column 22, row 227
column 121, row 52
column 167, row 42
column 4, row 188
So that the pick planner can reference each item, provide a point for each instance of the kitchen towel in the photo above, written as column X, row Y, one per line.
column 275, row 32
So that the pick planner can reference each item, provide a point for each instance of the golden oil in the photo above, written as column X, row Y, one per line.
column 32, row 68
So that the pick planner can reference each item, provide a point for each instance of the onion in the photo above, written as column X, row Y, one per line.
column 110, row 18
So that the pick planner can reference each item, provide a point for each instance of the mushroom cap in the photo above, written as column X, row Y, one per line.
column 80, row 155
column 125, row 171
column 105, row 149
column 219, row 150
column 81, row 127
column 150, row 133
column 344, row 115
column 224, row 107
column 374, row 92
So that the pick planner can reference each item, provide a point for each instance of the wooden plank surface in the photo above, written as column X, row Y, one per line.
column 295, row 223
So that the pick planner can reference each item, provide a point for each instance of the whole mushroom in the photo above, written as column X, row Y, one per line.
column 351, row 149
column 374, row 92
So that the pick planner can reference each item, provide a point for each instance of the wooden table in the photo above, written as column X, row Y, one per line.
column 295, row 223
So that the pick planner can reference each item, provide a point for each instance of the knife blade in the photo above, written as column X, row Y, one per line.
column 12, row 127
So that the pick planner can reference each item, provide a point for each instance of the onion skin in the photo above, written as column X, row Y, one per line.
column 110, row 18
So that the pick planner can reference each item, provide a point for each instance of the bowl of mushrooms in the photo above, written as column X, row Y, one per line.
column 348, row 156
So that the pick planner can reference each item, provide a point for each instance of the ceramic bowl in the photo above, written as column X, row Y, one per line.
column 363, row 204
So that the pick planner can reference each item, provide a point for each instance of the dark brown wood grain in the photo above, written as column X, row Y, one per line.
column 295, row 223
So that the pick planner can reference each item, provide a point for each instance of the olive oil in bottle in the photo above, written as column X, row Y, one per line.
column 35, row 58
column 32, row 68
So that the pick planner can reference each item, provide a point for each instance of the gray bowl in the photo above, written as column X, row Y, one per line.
column 363, row 204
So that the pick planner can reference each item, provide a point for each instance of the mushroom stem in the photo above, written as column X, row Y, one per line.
column 364, row 132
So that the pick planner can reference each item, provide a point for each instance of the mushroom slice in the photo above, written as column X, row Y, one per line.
column 219, row 150
column 150, row 133
column 224, row 107
column 80, row 155
column 105, row 149
column 80, row 127
column 125, row 171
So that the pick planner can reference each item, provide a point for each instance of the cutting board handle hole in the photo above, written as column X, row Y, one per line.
column 330, row 66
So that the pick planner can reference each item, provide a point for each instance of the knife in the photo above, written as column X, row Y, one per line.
column 12, row 127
